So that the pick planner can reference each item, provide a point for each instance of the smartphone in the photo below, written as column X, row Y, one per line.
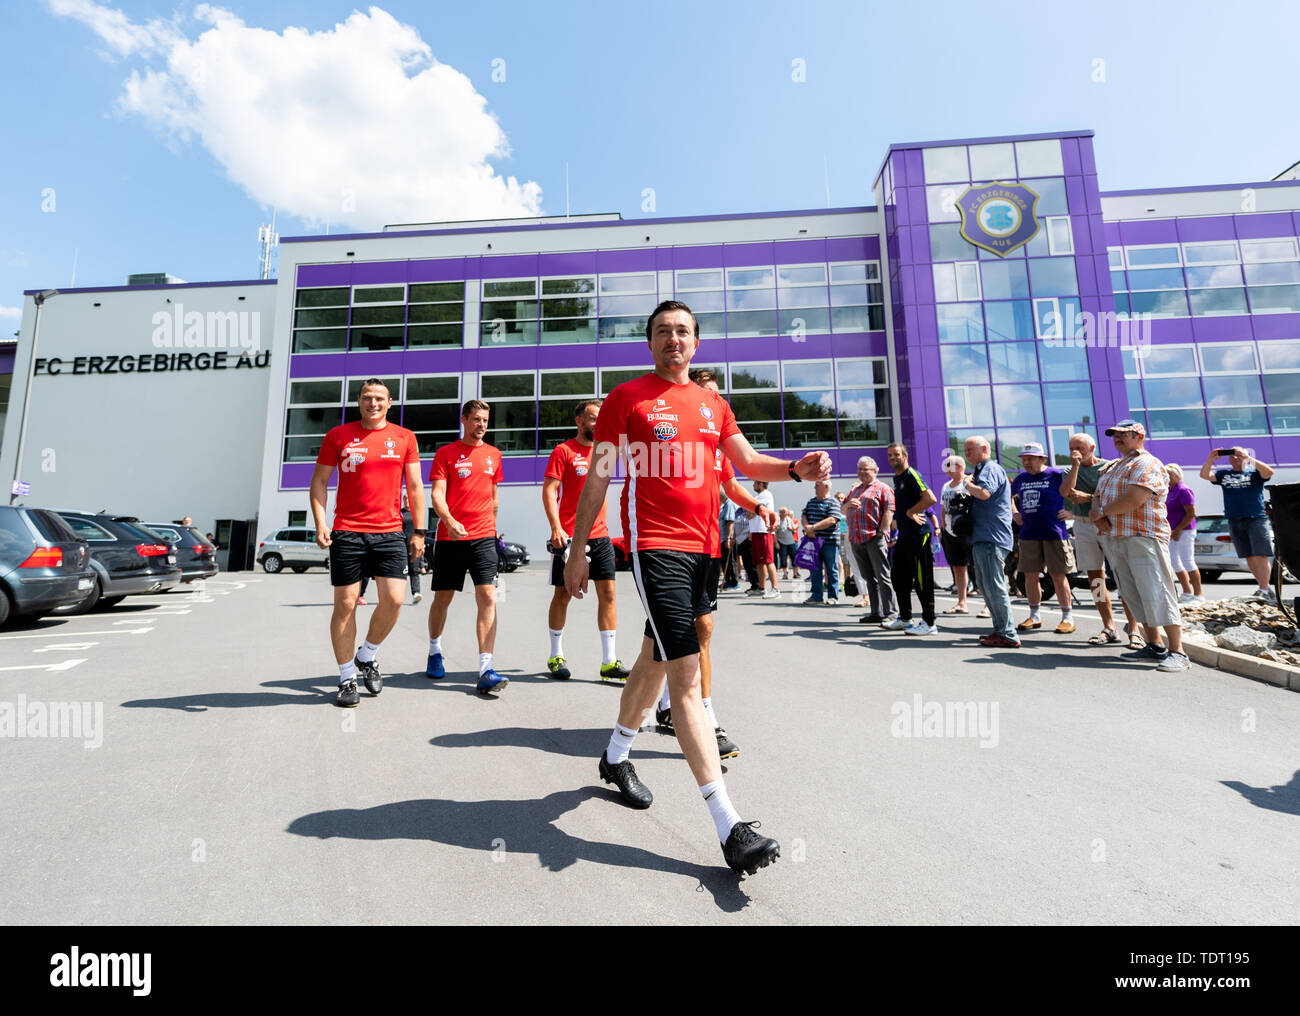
column 1223, row 451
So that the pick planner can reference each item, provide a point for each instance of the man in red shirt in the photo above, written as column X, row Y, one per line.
column 669, row 432
column 463, row 491
column 566, row 472
column 372, row 457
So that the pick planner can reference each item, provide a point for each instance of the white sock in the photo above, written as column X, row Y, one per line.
column 347, row 672
column 435, row 645
column 1065, row 613
column 556, row 636
column 484, row 663
column 1033, row 612
column 367, row 652
column 708, row 708
column 665, row 700
column 607, row 646
column 620, row 744
column 724, row 815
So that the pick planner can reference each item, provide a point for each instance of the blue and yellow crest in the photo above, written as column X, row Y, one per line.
column 998, row 216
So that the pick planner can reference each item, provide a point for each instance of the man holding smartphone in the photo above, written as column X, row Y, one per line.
column 1243, row 505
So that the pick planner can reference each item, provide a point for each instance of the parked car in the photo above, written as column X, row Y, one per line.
column 126, row 557
column 510, row 555
column 196, row 554
column 291, row 547
column 1215, row 553
column 43, row 563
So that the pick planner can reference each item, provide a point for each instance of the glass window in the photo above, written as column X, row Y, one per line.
column 1228, row 358
column 1009, row 320
column 1039, row 158
column 1063, row 362
column 1115, row 255
column 1282, row 249
column 514, row 287
column 947, row 244
column 801, row 275
column 1129, row 359
column 1047, row 318
column 334, row 296
column 316, row 392
column 1216, row 302
column 1275, row 299
column 1162, row 256
column 754, row 376
column 1060, row 239
column 612, row 377
column 860, row 373
column 1176, row 423
column 499, row 386
column 807, row 373
column 319, row 340
column 1273, row 273
column 1168, row 361
column 379, row 294
column 437, row 292
column 992, row 162
column 1051, row 195
column 690, row 281
column 1213, row 275
column 1220, row 253
column 965, row 364
column 1172, row 393
column 750, row 277
column 1134, row 391
column 1013, row 361
column 1238, row 390
column 943, row 165
column 394, row 385
column 960, row 322
column 320, row 318
column 968, row 280
column 746, row 299
column 1018, row 405
column 945, row 283
column 941, row 202
column 956, row 401
column 1155, row 278
column 1004, row 280
column 1068, row 403
column 1053, row 277
column 1276, row 355
column 628, row 284
column 1282, row 387
column 852, row 272
column 1166, row 303
column 1237, row 421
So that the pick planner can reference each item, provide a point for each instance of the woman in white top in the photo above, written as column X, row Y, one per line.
column 954, row 547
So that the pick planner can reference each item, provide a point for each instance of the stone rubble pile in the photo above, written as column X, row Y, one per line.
column 1244, row 625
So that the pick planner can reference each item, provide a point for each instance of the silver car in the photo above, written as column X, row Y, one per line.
column 1215, row 553
column 291, row 547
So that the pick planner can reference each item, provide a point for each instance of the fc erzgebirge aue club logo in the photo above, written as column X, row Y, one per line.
column 665, row 431
column 706, row 412
column 998, row 217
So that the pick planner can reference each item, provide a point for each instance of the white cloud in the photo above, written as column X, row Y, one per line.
column 13, row 312
column 359, row 125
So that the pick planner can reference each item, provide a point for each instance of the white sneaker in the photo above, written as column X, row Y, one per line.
column 1186, row 598
column 1174, row 662
column 416, row 598
column 897, row 624
column 771, row 594
column 921, row 628
column 1266, row 595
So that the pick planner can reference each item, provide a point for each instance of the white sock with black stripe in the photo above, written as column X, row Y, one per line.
column 620, row 744
column 724, row 815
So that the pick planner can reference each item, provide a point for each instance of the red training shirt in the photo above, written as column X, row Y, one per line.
column 669, row 436
column 472, row 473
column 370, row 465
column 569, row 464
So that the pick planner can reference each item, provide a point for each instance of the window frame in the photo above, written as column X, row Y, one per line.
column 1128, row 261
column 1048, row 222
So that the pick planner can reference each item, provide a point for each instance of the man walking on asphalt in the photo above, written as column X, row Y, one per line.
column 373, row 458
column 670, row 432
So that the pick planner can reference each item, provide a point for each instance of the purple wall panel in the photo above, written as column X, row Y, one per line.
column 1098, row 232
column 1082, row 235
column 1234, row 326
column 1149, row 231
column 852, row 248
column 709, row 256
column 920, row 243
column 439, row 270
column 1101, row 268
column 576, row 263
column 373, row 364
column 1276, row 326
column 906, row 254
column 765, row 348
column 324, row 275
column 1087, row 277
column 295, row 475
column 1070, row 156
column 626, row 260
column 924, row 285
column 739, row 254
column 1112, row 235
column 1209, row 227
column 799, row 252
column 318, row 365
column 916, row 204
column 914, row 166
column 508, row 266
column 1075, row 194
column 7, row 360
column 810, row 347
column 366, row 273
column 664, row 259
column 1085, row 156
column 1264, row 224
column 438, row 361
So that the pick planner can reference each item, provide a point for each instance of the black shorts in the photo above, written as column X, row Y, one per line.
column 955, row 550
column 600, row 556
column 675, row 590
column 713, row 582
column 354, row 556
column 452, row 558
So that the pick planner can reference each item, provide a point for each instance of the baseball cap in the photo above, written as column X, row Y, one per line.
column 1123, row 425
column 1033, row 448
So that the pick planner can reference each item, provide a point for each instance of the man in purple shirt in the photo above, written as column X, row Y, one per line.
column 1044, row 540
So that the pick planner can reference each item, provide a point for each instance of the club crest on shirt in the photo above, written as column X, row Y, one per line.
column 706, row 412
column 665, row 431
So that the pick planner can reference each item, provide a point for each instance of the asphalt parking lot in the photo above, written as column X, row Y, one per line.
column 909, row 780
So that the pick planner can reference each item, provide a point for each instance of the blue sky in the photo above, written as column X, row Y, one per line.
column 167, row 132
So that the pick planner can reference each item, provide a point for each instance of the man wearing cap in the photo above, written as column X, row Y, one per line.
column 1044, row 540
column 1243, row 505
column 1129, row 511
column 991, row 538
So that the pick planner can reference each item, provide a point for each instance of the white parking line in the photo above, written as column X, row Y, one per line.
column 75, row 646
column 65, row 665
column 64, row 634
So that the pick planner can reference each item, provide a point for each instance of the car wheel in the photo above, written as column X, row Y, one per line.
column 272, row 563
column 88, row 604
column 110, row 601
column 1210, row 574
column 6, row 607
column 298, row 569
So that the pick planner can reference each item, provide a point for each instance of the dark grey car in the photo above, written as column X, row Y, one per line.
column 126, row 558
column 43, row 564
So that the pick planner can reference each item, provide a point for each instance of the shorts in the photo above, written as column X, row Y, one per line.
column 955, row 550
column 1145, row 578
column 1250, row 537
column 600, row 556
column 762, row 544
column 675, row 589
column 1087, row 548
column 784, row 555
column 1182, row 551
column 1055, row 554
column 452, row 558
column 354, row 556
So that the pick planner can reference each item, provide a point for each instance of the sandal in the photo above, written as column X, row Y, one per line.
column 985, row 613
column 956, row 610
column 1105, row 637
column 1136, row 641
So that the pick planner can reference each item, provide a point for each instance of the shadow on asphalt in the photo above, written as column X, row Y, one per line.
column 312, row 692
column 556, row 740
column 511, row 828
column 1284, row 797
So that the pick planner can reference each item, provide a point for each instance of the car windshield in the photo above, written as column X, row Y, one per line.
column 1211, row 524
column 138, row 530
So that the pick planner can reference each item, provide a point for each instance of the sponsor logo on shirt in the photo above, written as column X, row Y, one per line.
column 580, row 470
column 462, row 471
column 665, row 431
column 651, row 417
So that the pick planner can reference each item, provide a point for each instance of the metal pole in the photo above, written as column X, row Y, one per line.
column 39, row 299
